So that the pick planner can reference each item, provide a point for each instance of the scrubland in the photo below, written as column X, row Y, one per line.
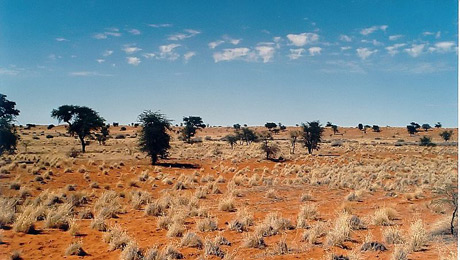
column 361, row 196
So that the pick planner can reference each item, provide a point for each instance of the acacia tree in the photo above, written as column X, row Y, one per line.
column 426, row 127
column 231, row 140
column 153, row 138
column 82, row 120
column 192, row 123
column 312, row 132
column 246, row 135
column 270, row 126
column 269, row 149
column 8, row 136
column 335, row 128
column 446, row 135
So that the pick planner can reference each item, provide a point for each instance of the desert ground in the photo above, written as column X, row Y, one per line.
column 208, row 201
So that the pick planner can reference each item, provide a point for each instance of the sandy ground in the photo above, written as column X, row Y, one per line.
column 383, row 174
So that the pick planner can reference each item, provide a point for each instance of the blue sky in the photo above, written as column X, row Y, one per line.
column 374, row 62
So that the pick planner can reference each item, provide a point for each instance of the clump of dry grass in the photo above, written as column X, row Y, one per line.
column 227, row 204
column 307, row 212
column 340, row 231
column 271, row 194
column 315, row 232
column 273, row 224
column 108, row 205
column 175, row 229
column 243, row 220
column 418, row 236
column 212, row 248
column 73, row 227
column 139, row 198
column 281, row 247
column 384, row 216
column 25, row 221
column 254, row 240
column 306, row 197
column 15, row 255
column 7, row 211
column 75, row 249
column 59, row 217
column 400, row 253
column 131, row 252
column 191, row 239
column 117, row 238
column 170, row 252
column 393, row 235
column 206, row 224
column 98, row 223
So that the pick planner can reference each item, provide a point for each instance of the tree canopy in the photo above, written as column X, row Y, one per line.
column 8, row 135
column 82, row 120
column 312, row 133
column 153, row 138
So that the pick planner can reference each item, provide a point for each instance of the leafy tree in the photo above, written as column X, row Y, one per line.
column 281, row 126
column 82, row 120
column 375, row 128
column 446, row 135
column 312, row 132
column 271, row 126
column 438, row 125
column 417, row 126
column 153, row 138
column 426, row 127
column 426, row 141
column 231, row 140
column 411, row 129
column 270, row 150
column 360, row 126
column 103, row 135
column 335, row 129
column 328, row 124
column 247, row 135
column 294, row 135
column 237, row 126
column 192, row 123
column 8, row 136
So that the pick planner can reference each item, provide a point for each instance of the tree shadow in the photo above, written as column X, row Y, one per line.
column 179, row 165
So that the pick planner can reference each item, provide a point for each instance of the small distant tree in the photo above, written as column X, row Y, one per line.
column 426, row 127
column 270, row 150
column 411, row 129
column 328, row 124
column 312, row 133
column 154, row 138
column 103, row 135
column 81, row 120
column 282, row 127
column 236, row 126
column 417, row 126
column 446, row 135
column 375, row 128
column 426, row 141
column 335, row 129
column 271, row 126
column 231, row 140
column 360, row 126
column 294, row 135
column 192, row 124
column 438, row 125
column 247, row 135
column 8, row 136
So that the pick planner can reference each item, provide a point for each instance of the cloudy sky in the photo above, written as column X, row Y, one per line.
column 374, row 62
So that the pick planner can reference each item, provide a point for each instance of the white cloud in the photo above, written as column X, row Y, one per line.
column 148, row 55
column 133, row 60
column 9, row 72
column 134, row 31
column 364, row 53
column 394, row 49
column 230, row 54
column 111, row 32
column 296, row 53
column 367, row 31
column 213, row 45
column 162, row 25
column 167, row 51
column 100, row 60
column 265, row 52
column 345, row 38
column 88, row 73
column 302, row 39
column 131, row 49
column 444, row 47
column 189, row 55
column 231, row 40
column 60, row 39
column 107, row 53
column 395, row 37
column 181, row 36
column 344, row 48
column 416, row 50
column 314, row 51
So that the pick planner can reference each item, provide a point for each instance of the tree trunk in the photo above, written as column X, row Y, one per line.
column 452, row 221
column 309, row 149
column 83, row 145
column 153, row 158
